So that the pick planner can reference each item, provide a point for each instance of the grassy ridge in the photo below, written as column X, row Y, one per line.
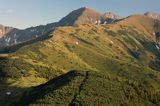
column 124, row 50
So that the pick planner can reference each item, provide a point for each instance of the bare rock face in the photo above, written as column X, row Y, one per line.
column 4, row 30
column 157, row 34
column 153, row 15
column 111, row 16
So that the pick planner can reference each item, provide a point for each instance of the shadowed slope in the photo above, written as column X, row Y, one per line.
column 90, row 88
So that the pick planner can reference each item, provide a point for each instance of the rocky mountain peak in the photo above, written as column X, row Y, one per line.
column 83, row 15
column 153, row 15
column 111, row 15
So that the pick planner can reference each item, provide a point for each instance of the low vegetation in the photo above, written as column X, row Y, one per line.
column 91, row 88
column 121, row 62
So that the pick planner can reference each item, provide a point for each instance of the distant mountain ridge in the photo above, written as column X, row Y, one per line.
column 153, row 15
column 12, row 36
column 86, row 15
column 80, row 16
column 17, row 36
column 111, row 15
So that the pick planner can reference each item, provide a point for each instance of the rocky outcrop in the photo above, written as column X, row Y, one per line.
column 4, row 30
column 110, row 17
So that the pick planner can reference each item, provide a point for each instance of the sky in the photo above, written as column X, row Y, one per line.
column 26, row 13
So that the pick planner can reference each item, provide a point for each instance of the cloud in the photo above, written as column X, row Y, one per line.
column 9, row 11
column 6, row 12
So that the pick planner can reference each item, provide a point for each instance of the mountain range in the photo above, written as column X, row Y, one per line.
column 77, row 17
column 87, row 58
column 12, row 36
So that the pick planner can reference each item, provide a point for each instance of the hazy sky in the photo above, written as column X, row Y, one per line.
column 26, row 13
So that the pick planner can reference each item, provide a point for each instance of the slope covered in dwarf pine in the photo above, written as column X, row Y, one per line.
column 90, row 88
column 125, row 49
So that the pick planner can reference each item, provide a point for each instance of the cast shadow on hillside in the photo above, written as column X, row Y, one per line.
column 151, row 47
column 40, row 91
column 9, row 94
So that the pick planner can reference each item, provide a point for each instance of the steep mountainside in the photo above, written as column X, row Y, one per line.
column 16, row 36
column 4, row 30
column 81, row 16
column 86, row 15
column 125, row 49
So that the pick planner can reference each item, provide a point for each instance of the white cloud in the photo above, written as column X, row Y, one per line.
column 10, row 11
column 6, row 12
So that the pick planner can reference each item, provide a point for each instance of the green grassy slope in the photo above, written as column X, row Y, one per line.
column 125, row 49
